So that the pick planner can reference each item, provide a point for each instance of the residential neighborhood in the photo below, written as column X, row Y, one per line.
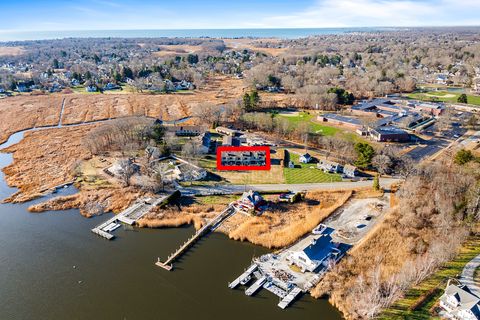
column 321, row 161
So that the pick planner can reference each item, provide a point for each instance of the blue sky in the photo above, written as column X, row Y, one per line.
column 30, row 15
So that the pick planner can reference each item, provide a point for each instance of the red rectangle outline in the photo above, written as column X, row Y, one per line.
column 243, row 148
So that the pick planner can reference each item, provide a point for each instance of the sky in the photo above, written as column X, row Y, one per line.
column 41, row 15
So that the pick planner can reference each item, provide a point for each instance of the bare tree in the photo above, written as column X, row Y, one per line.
column 383, row 163
column 160, row 174
column 126, row 170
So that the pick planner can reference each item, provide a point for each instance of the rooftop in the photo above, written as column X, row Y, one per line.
column 342, row 118
column 389, row 130
column 371, row 104
column 320, row 248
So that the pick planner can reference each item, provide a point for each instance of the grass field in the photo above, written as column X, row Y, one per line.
column 274, row 175
column 321, row 129
column 443, row 96
column 223, row 199
column 303, row 173
column 400, row 310
column 307, row 173
column 314, row 127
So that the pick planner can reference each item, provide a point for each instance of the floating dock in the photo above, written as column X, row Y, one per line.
column 290, row 297
column 257, row 285
column 243, row 276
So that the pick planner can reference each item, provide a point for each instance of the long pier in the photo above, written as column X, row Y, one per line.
column 128, row 216
column 211, row 225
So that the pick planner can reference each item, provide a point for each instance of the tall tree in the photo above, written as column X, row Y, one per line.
column 462, row 98
column 365, row 154
column 247, row 102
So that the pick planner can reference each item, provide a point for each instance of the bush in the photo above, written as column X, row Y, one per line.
column 463, row 156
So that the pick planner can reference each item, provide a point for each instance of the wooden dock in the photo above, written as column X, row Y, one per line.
column 211, row 225
column 128, row 216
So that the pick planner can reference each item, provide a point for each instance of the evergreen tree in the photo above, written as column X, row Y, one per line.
column 376, row 183
column 343, row 96
column 254, row 99
column 192, row 58
column 462, row 98
column 127, row 73
column 247, row 102
column 365, row 153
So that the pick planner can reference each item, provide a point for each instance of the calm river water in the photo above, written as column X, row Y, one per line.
column 53, row 267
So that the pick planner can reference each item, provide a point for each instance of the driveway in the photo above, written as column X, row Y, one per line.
column 467, row 277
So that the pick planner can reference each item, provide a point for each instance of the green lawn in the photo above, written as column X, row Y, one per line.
column 223, row 199
column 207, row 163
column 321, row 129
column 400, row 310
column 443, row 96
column 307, row 173
column 314, row 127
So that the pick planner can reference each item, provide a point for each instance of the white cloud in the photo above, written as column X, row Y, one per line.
column 358, row 13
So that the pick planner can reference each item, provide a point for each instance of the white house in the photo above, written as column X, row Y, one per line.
column 349, row 170
column 305, row 158
column 441, row 79
column 91, row 88
column 459, row 303
column 329, row 166
column 319, row 252
column 227, row 131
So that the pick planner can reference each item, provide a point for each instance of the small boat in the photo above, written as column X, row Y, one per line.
column 245, row 280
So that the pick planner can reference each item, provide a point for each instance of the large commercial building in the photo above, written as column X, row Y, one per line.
column 389, row 134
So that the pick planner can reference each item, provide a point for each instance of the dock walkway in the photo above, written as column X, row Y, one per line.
column 128, row 216
column 243, row 276
column 290, row 297
column 211, row 225
column 257, row 285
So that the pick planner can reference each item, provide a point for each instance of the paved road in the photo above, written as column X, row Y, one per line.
column 467, row 275
column 231, row 189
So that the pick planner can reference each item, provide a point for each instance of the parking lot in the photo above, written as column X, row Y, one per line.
column 356, row 218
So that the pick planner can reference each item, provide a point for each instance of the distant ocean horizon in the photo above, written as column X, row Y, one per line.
column 290, row 33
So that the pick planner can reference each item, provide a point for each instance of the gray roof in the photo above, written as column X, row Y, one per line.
column 341, row 118
column 349, row 167
column 389, row 130
column 370, row 104
column 328, row 162
column 466, row 299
